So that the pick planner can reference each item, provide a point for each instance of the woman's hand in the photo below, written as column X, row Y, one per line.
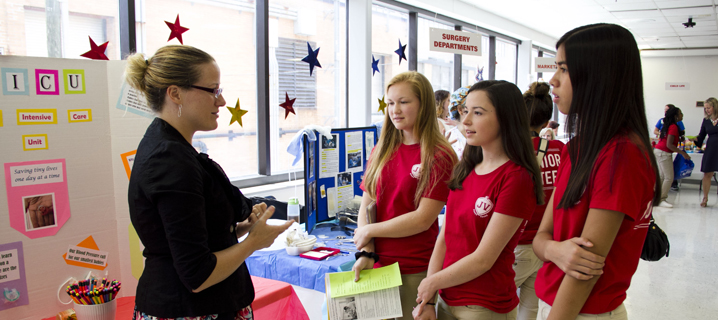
column 243, row 227
column 261, row 234
column 362, row 236
column 428, row 313
column 685, row 155
column 426, row 293
column 575, row 261
column 362, row 264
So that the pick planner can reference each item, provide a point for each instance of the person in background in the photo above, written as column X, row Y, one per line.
column 554, row 126
column 442, row 105
column 540, row 109
column 709, row 164
column 664, row 149
column 595, row 224
column 407, row 175
column 457, row 109
column 659, row 124
column 547, row 134
column 494, row 191
column 185, row 210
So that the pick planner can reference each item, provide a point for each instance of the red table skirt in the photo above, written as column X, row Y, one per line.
column 272, row 300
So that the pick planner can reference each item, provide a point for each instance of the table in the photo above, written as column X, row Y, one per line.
column 279, row 265
column 272, row 300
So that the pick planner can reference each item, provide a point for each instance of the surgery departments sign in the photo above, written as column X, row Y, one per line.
column 455, row 42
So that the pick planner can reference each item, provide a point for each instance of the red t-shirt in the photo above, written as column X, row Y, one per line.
column 549, row 168
column 672, row 131
column 507, row 190
column 395, row 196
column 622, row 180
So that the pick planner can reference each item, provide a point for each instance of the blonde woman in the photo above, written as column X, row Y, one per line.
column 407, row 175
column 709, row 163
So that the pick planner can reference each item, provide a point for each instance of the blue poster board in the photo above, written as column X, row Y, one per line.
column 316, row 205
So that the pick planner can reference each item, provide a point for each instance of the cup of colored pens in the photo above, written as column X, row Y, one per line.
column 94, row 299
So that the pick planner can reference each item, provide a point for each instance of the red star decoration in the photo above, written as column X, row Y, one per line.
column 177, row 30
column 287, row 105
column 96, row 52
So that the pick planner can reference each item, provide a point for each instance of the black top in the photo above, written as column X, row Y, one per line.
column 184, row 208
column 710, row 156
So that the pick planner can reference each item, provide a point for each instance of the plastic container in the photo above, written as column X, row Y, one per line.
column 292, row 209
column 105, row 311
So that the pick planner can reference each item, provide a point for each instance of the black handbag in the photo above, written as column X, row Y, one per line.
column 656, row 245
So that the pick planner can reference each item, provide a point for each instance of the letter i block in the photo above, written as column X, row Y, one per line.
column 46, row 82
column 74, row 81
column 15, row 82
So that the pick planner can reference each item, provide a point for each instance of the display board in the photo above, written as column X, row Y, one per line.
column 333, row 171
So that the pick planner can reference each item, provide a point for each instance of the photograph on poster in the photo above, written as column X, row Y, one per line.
column 354, row 159
column 311, row 159
column 39, row 211
column 344, row 179
column 329, row 143
column 312, row 191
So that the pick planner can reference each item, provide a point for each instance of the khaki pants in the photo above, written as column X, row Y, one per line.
column 617, row 314
column 665, row 167
column 526, row 267
column 408, row 291
column 447, row 312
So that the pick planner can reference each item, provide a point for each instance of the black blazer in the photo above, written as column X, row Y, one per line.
column 184, row 208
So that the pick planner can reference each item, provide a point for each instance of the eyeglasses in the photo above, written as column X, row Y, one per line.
column 216, row 92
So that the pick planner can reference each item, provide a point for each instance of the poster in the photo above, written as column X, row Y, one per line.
column 345, row 191
column 329, row 157
column 354, row 146
column 12, row 276
column 37, row 196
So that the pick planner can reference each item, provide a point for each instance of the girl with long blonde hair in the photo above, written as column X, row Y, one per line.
column 407, row 175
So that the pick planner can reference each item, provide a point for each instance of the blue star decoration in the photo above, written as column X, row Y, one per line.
column 288, row 105
column 311, row 58
column 401, row 52
column 374, row 65
column 382, row 105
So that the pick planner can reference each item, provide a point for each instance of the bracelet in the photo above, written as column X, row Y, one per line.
column 372, row 255
column 431, row 303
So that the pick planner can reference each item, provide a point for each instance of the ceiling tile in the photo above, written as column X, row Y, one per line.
column 668, row 45
column 622, row 6
column 642, row 14
column 700, row 18
column 700, row 44
column 664, row 4
column 713, row 38
column 694, row 11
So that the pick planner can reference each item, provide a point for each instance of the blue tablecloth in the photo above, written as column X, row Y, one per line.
column 278, row 265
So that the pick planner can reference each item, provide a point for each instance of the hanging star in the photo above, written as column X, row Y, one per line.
column 374, row 65
column 176, row 30
column 237, row 114
column 401, row 52
column 382, row 105
column 287, row 105
column 311, row 58
column 96, row 52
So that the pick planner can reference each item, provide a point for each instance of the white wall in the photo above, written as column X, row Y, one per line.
column 699, row 71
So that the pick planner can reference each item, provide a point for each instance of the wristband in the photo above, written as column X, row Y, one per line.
column 372, row 255
column 431, row 303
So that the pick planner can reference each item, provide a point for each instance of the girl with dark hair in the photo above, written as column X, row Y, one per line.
column 494, row 190
column 664, row 149
column 593, row 230
column 407, row 175
column 540, row 109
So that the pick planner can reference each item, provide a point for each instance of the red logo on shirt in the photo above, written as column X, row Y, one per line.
column 483, row 206
column 416, row 171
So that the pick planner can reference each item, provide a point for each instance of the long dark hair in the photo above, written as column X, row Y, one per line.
column 513, row 129
column 604, row 66
column 669, row 119
column 539, row 104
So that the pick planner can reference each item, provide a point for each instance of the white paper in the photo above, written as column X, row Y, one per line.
column 134, row 101
column 345, row 190
column 329, row 157
column 369, row 143
column 331, row 202
column 35, row 174
column 80, row 254
column 9, row 266
column 353, row 142
column 381, row 304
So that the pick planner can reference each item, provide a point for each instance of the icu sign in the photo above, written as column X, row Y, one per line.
column 454, row 41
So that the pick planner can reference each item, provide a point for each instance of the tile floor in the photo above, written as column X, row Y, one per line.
column 683, row 286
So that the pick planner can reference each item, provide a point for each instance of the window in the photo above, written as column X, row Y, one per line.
column 320, row 97
column 232, row 146
column 99, row 21
column 438, row 67
column 474, row 68
column 389, row 26
column 505, row 60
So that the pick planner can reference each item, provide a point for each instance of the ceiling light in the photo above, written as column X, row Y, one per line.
column 690, row 23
